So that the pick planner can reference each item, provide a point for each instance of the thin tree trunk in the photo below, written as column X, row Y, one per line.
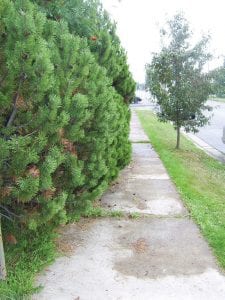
column 178, row 138
column 13, row 114
column 2, row 257
column 16, row 97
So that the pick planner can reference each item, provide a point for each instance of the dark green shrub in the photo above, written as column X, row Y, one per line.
column 89, row 20
column 64, row 128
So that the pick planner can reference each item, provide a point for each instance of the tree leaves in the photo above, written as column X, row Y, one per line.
column 175, row 77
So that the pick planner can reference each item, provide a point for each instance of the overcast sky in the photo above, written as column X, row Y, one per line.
column 139, row 22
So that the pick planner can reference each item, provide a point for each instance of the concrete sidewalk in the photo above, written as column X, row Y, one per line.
column 159, row 256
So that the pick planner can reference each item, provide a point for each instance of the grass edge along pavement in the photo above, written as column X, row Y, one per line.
column 32, row 252
column 198, row 178
column 25, row 257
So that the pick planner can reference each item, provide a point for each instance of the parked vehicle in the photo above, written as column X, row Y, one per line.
column 136, row 100
column 223, row 137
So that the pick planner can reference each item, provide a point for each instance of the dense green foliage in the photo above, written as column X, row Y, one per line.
column 198, row 177
column 89, row 20
column 175, row 78
column 64, row 127
column 218, row 81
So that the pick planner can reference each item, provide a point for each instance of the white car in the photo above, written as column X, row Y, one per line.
column 223, row 137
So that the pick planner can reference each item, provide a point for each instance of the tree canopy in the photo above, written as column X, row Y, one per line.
column 176, row 79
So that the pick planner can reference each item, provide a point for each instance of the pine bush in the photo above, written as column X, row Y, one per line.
column 64, row 124
column 89, row 20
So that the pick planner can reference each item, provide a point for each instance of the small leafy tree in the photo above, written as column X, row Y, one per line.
column 175, row 78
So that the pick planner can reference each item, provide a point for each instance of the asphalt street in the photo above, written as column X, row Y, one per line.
column 212, row 133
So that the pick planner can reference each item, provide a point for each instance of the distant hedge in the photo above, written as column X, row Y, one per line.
column 64, row 120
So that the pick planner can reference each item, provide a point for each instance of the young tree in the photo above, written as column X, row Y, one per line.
column 175, row 78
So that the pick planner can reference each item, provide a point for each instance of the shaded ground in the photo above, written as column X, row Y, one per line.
column 160, row 255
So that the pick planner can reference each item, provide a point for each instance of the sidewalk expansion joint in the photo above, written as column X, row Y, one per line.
column 140, row 142
column 137, row 215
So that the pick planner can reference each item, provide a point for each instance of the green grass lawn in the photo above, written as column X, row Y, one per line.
column 33, row 251
column 199, row 178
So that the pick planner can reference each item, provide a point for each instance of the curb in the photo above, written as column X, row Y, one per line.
column 205, row 147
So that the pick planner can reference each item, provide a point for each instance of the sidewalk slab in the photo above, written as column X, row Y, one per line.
column 136, row 133
column 134, row 259
column 158, row 197
column 144, row 187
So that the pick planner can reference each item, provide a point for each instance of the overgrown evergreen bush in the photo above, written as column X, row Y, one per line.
column 89, row 20
column 64, row 122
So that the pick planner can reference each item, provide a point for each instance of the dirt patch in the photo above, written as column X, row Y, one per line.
column 65, row 247
column 140, row 246
column 68, row 241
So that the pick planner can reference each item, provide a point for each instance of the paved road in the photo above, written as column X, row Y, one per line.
column 211, row 134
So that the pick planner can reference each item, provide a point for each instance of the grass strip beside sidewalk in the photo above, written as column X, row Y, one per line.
column 199, row 178
column 32, row 252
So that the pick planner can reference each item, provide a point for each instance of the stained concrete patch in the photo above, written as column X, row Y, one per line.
column 149, row 196
column 130, row 203
column 66, row 244
column 103, row 264
column 167, row 247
